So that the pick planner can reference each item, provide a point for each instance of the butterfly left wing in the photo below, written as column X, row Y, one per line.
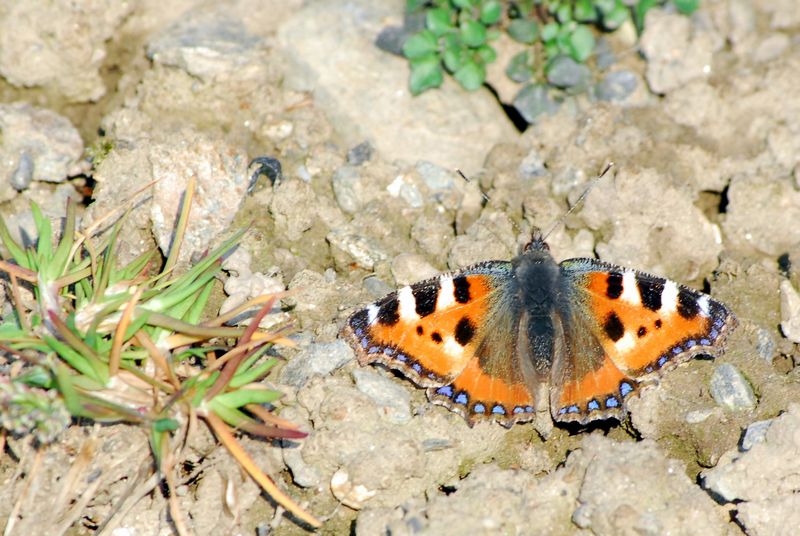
column 636, row 326
column 452, row 335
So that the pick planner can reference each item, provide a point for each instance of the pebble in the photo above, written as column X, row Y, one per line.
column 394, row 400
column 411, row 267
column 755, row 433
column 731, row 390
column 790, row 311
column 532, row 166
column 565, row 72
column 616, row 86
column 346, row 185
column 533, row 100
column 435, row 177
column 359, row 154
column 318, row 359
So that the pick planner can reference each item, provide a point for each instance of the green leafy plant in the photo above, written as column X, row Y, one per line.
column 129, row 344
column 458, row 34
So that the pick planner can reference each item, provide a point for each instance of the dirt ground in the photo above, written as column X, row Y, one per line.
column 705, row 141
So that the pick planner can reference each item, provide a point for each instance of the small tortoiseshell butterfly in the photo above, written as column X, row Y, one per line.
column 499, row 339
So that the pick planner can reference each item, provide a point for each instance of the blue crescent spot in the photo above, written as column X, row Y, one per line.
column 431, row 375
column 359, row 332
column 499, row 410
column 562, row 411
column 691, row 343
column 677, row 350
column 417, row 367
column 573, row 409
column 462, row 398
column 625, row 389
column 718, row 323
column 445, row 391
column 705, row 342
column 612, row 402
column 648, row 369
column 713, row 334
column 518, row 410
column 364, row 342
column 388, row 351
column 374, row 350
column 528, row 409
column 402, row 358
column 479, row 408
column 593, row 405
column 661, row 361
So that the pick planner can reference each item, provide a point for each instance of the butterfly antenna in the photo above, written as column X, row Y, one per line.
column 487, row 199
column 579, row 201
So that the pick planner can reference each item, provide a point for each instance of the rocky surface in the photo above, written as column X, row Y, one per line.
column 704, row 131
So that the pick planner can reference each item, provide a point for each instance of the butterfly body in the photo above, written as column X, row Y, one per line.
column 501, row 340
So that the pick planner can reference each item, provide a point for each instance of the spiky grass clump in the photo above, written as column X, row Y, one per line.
column 127, row 344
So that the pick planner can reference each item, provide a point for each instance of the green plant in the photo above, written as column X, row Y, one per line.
column 129, row 344
column 458, row 34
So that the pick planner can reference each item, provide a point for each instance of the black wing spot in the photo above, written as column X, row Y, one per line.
column 642, row 331
column 614, row 285
column 687, row 304
column 461, row 289
column 436, row 337
column 425, row 298
column 658, row 323
column 360, row 319
column 389, row 311
column 651, row 292
column 613, row 327
column 420, row 331
column 465, row 331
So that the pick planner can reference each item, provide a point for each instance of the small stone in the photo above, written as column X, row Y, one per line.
column 698, row 416
column 565, row 72
column 435, row 177
column 604, row 54
column 790, row 311
column 346, row 183
column 755, row 433
column 359, row 154
column 360, row 248
column 731, row 390
column 533, row 100
column 616, row 86
column 393, row 400
column 532, row 166
column 348, row 493
column 410, row 267
column 765, row 344
column 319, row 359
column 405, row 189
column 376, row 286
column 391, row 39
column 771, row 47
column 22, row 176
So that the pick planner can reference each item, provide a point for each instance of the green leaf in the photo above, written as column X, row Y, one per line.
column 550, row 31
column 581, row 43
column 242, row 397
column 564, row 13
column 19, row 255
column 523, row 31
column 438, row 21
column 454, row 53
column 463, row 4
column 616, row 17
column 415, row 5
column 252, row 374
column 585, row 11
column 487, row 54
column 687, row 7
column 519, row 67
column 426, row 73
column 165, row 425
column 473, row 33
column 420, row 44
column 491, row 12
column 471, row 75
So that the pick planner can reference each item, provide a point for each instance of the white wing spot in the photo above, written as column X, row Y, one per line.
column 669, row 297
column 705, row 305
column 446, row 293
column 372, row 314
column 452, row 348
column 630, row 290
column 408, row 305
column 626, row 343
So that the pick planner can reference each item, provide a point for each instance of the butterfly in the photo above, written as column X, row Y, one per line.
column 499, row 340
